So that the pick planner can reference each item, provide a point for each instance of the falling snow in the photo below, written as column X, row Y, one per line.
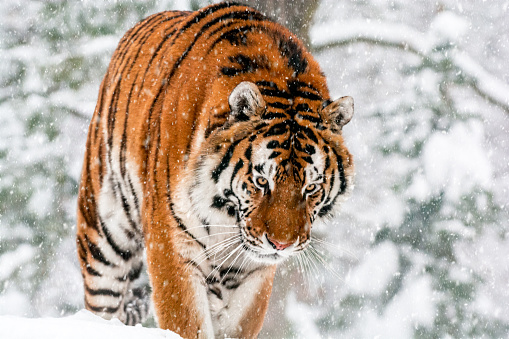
column 421, row 248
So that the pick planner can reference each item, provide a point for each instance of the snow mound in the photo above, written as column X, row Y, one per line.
column 82, row 325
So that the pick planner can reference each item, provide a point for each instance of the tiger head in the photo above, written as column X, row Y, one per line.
column 274, row 174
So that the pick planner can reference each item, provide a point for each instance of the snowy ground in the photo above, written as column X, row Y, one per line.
column 81, row 325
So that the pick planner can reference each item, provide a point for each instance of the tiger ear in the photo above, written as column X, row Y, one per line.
column 245, row 101
column 338, row 113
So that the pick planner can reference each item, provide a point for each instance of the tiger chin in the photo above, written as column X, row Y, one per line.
column 214, row 147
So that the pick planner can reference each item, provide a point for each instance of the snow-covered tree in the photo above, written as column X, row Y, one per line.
column 420, row 249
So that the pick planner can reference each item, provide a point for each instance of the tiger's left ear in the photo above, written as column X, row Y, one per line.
column 338, row 113
column 245, row 101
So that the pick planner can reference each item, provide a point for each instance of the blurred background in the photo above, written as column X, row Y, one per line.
column 421, row 249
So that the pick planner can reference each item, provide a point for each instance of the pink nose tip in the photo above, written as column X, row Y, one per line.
column 277, row 245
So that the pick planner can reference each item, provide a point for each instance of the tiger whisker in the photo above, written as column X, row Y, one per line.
column 242, row 264
column 209, row 236
column 311, row 266
column 216, row 269
column 302, row 268
column 231, row 266
column 219, row 254
column 325, row 264
column 334, row 246
column 204, row 226
column 220, row 246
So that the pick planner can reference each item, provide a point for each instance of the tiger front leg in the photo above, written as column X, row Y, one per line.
column 179, row 296
column 245, row 305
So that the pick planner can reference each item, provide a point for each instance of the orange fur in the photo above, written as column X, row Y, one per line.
column 163, row 106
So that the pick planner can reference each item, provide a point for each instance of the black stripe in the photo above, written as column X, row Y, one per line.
column 146, row 25
column 111, row 116
column 264, row 83
column 102, row 291
column 218, row 202
column 328, row 205
column 274, row 154
column 341, row 172
column 315, row 120
column 275, row 93
column 133, row 274
column 308, row 95
column 96, row 252
column 248, row 152
column 100, row 159
column 236, row 36
column 247, row 64
column 183, row 227
column 327, row 163
column 93, row 272
column 277, row 129
column 125, row 205
column 216, row 291
column 309, row 160
column 225, row 161
column 296, row 84
column 259, row 127
column 87, row 215
column 99, row 309
column 124, row 254
column 303, row 108
column 272, row 144
column 133, row 192
column 279, row 105
column 293, row 52
column 309, row 133
column 237, row 168
column 98, row 109
column 168, row 35
column 243, row 15
column 310, row 149
column 271, row 116
column 123, row 140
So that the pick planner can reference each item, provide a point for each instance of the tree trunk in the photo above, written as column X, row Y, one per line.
column 296, row 15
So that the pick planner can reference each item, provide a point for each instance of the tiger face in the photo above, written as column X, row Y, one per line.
column 273, row 176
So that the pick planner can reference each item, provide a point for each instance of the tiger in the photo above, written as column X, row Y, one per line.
column 213, row 149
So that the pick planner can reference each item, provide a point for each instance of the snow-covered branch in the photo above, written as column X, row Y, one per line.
column 424, row 45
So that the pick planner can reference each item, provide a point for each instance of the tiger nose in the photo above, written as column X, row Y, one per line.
column 277, row 245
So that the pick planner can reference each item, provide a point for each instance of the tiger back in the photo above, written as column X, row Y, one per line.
column 214, row 147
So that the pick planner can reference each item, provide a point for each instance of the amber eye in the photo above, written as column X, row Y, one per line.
column 261, row 182
column 311, row 188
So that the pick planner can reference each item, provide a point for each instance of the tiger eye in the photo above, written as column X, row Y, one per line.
column 310, row 188
column 261, row 181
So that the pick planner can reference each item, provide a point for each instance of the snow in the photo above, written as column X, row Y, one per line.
column 378, row 268
column 446, row 28
column 456, row 162
column 302, row 317
column 449, row 27
column 82, row 325
column 412, row 307
column 11, row 261
column 488, row 85
column 410, row 141
column 359, row 30
column 13, row 302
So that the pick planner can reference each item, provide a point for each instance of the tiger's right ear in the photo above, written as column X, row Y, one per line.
column 338, row 113
column 245, row 101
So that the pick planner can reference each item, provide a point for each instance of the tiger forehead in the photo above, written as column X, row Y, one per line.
column 288, row 153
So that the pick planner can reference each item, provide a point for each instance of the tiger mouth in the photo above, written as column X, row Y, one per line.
column 260, row 254
column 256, row 255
